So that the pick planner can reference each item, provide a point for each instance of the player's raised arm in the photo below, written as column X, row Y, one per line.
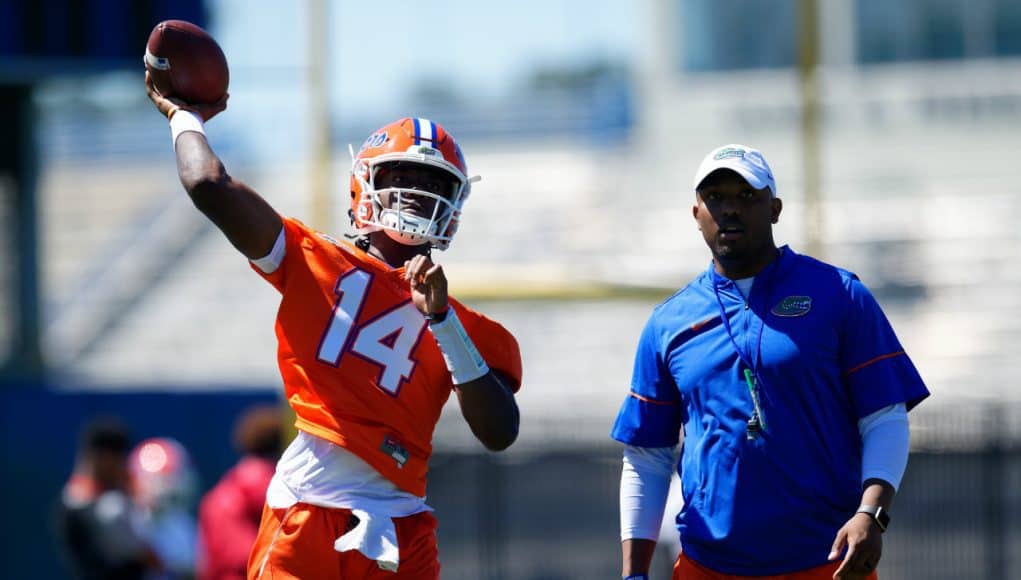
column 248, row 221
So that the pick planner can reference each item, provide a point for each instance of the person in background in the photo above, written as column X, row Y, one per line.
column 97, row 521
column 165, row 486
column 791, row 390
column 230, row 512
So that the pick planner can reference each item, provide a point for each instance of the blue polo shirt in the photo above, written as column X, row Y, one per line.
column 823, row 356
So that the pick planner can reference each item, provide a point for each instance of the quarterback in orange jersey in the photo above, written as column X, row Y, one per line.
column 370, row 348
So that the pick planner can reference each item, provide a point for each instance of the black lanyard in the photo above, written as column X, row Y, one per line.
column 730, row 334
column 757, row 422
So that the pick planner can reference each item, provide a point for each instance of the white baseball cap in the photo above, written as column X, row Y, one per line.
column 745, row 161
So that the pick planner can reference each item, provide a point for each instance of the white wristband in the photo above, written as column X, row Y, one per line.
column 184, row 121
column 463, row 360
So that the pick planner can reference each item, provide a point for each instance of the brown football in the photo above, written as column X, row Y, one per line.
column 185, row 62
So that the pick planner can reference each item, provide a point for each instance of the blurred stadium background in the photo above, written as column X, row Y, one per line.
column 894, row 130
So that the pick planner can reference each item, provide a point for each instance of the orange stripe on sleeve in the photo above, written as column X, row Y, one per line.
column 652, row 401
column 875, row 360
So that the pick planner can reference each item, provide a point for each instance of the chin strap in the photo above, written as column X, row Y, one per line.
column 363, row 242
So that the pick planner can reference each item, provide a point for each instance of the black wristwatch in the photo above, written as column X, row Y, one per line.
column 437, row 317
column 878, row 514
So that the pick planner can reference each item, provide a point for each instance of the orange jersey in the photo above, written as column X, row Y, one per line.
column 360, row 368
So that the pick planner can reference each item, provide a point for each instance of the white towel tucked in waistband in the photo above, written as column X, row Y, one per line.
column 375, row 537
column 317, row 472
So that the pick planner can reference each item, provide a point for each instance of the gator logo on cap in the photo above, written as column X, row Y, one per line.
column 793, row 306
column 729, row 153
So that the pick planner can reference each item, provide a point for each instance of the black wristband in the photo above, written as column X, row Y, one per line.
column 437, row 317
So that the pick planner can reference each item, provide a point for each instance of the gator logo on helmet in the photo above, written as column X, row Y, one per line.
column 375, row 140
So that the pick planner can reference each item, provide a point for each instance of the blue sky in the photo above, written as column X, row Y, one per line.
column 480, row 48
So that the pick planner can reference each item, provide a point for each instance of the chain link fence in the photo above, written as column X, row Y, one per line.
column 552, row 515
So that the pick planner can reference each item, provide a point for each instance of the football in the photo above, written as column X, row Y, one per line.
column 185, row 62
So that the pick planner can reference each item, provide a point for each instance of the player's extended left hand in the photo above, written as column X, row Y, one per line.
column 428, row 284
column 864, row 542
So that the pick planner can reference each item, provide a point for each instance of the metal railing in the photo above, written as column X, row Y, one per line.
column 545, row 515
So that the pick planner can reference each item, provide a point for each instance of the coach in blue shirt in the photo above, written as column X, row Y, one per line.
column 791, row 390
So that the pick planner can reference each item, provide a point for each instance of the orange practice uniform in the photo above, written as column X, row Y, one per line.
column 687, row 569
column 358, row 364
column 302, row 547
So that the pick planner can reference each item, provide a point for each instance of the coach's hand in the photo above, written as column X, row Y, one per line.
column 169, row 105
column 428, row 284
column 864, row 542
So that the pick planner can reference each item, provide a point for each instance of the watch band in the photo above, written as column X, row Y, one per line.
column 878, row 514
column 437, row 317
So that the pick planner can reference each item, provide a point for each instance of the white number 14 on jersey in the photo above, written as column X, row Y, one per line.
column 386, row 340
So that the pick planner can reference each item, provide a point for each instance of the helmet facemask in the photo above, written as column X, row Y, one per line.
column 425, row 210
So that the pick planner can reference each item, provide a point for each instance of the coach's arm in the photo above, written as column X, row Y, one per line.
column 248, row 221
column 637, row 556
column 644, row 486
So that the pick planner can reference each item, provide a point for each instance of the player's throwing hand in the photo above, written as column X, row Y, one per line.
column 168, row 105
column 428, row 284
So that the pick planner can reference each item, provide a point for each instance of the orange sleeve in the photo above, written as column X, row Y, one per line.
column 294, row 233
column 495, row 343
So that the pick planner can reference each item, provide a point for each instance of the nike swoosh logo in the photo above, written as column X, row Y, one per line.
column 698, row 325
